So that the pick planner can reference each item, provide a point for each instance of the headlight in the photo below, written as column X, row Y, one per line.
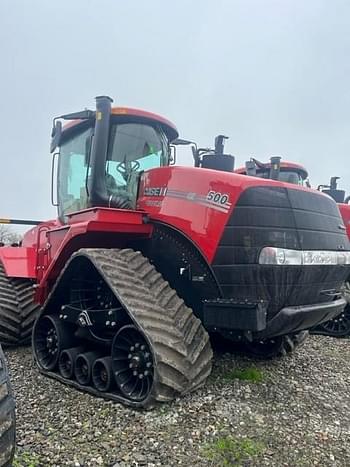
column 285, row 257
column 272, row 255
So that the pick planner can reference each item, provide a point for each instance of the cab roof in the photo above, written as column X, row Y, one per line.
column 126, row 114
column 284, row 165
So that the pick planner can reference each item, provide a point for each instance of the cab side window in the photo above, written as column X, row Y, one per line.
column 73, row 171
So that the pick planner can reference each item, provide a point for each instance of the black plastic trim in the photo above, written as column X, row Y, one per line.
column 298, row 318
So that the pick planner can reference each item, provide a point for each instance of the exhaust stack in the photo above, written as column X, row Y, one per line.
column 275, row 167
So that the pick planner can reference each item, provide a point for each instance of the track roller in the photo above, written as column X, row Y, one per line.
column 132, row 363
column 83, row 366
column 50, row 336
column 102, row 375
column 66, row 361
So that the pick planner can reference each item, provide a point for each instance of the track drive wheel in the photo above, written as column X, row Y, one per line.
column 132, row 363
column 50, row 336
column 7, row 416
column 337, row 327
column 275, row 347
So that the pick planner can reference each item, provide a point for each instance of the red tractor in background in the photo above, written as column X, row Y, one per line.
column 340, row 326
column 147, row 259
column 297, row 174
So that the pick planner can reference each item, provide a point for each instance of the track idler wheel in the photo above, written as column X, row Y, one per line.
column 50, row 336
column 67, row 360
column 83, row 366
column 102, row 375
column 132, row 363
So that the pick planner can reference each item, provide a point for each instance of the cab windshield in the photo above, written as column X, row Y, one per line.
column 133, row 148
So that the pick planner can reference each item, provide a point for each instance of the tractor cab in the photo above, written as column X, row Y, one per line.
column 276, row 169
column 102, row 154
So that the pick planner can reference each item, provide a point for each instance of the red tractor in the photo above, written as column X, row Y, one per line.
column 340, row 326
column 297, row 174
column 147, row 259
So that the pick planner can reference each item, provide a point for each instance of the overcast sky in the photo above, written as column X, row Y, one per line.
column 272, row 75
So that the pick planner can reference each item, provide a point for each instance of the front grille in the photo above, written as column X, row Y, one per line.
column 284, row 218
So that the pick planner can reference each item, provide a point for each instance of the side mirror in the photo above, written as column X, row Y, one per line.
column 56, row 135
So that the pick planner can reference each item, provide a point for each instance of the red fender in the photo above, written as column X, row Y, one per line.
column 18, row 261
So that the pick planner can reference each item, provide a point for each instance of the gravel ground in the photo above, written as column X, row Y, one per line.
column 297, row 415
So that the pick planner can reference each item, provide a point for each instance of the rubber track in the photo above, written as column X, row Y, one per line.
column 288, row 344
column 7, row 416
column 180, row 344
column 346, row 292
column 291, row 342
column 17, row 309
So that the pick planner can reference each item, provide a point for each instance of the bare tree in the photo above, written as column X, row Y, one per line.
column 7, row 235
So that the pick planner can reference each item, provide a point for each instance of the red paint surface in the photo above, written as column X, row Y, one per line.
column 19, row 261
column 144, row 114
column 203, row 225
column 345, row 212
column 48, row 246
column 95, row 227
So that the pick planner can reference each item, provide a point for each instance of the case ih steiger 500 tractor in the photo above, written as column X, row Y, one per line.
column 297, row 174
column 145, row 259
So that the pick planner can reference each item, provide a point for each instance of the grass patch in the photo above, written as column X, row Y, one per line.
column 26, row 459
column 164, row 409
column 232, row 452
column 246, row 374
